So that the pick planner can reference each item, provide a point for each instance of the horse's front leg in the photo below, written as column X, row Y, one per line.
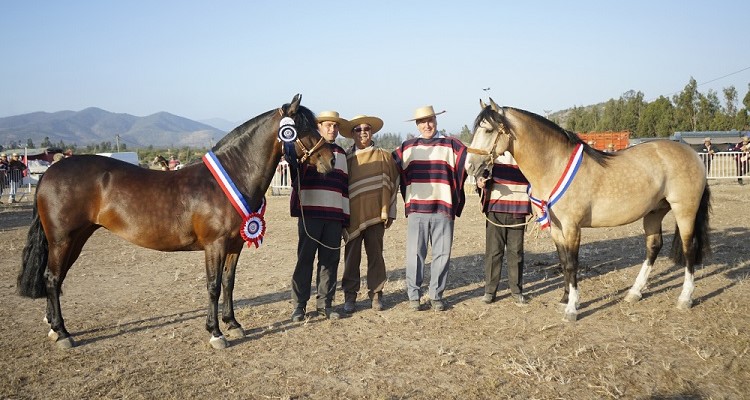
column 654, row 242
column 227, row 315
column 568, row 243
column 214, row 267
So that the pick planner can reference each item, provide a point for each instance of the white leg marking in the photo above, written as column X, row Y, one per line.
column 52, row 335
column 685, row 300
column 634, row 294
column 571, row 312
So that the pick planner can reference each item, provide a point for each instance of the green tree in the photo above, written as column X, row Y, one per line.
column 686, row 106
column 465, row 136
column 46, row 142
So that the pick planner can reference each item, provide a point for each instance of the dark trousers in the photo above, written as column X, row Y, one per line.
column 327, row 232
column 372, row 237
column 502, row 241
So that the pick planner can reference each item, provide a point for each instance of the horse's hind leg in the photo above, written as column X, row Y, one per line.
column 685, row 301
column 62, row 255
column 654, row 241
column 215, row 257
column 227, row 315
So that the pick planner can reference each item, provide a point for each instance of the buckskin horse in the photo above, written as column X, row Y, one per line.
column 576, row 186
column 80, row 194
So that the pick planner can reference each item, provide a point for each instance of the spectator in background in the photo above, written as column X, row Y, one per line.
column 708, row 153
column 173, row 163
column 3, row 173
column 610, row 148
column 742, row 159
column 15, row 168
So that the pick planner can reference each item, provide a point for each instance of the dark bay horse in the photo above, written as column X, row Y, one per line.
column 80, row 194
column 606, row 189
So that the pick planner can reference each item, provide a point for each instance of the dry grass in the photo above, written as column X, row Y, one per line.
column 138, row 317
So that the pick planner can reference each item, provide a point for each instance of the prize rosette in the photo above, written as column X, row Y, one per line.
column 287, row 131
column 253, row 229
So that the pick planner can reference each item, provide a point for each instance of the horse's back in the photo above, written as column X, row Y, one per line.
column 128, row 200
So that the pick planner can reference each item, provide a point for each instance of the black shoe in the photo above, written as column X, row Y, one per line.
column 329, row 313
column 298, row 314
column 438, row 305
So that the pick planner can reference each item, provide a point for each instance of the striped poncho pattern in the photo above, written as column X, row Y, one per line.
column 373, row 184
column 323, row 196
column 432, row 175
column 507, row 188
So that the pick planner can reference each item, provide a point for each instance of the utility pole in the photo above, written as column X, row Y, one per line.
column 117, row 142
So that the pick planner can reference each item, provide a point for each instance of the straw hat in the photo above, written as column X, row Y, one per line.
column 746, row 139
column 424, row 112
column 332, row 116
column 14, row 155
column 708, row 139
column 375, row 123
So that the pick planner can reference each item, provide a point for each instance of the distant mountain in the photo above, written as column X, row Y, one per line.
column 94, row 125
column 221, row 124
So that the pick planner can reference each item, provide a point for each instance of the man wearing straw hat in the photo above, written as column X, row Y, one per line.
column 373, row 184
column 432, row 185
column 321, row 203
column 708, row 153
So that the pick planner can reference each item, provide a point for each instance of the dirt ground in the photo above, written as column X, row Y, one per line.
column 138, row 317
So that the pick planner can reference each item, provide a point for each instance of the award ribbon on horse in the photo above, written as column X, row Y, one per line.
column 562, row 185
column 253, row 226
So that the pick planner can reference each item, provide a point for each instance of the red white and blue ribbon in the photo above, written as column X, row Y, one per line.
column 562, row 185
column 253, row 226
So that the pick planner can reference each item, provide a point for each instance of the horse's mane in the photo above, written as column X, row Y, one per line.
column 495, row 118
column 304, row 121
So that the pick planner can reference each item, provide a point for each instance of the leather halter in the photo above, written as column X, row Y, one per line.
column 492, row 154
column 307, row 152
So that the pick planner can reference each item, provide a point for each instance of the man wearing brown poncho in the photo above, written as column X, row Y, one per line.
column 373, row 185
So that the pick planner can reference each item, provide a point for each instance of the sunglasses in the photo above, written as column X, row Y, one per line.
column 360, row 129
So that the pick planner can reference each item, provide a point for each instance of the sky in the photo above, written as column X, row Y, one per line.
column 237, row 59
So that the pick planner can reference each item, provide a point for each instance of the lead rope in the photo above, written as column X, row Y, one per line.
column 302, row 213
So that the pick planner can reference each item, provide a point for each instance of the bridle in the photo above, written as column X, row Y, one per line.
column 307, row 153
column 492, row 154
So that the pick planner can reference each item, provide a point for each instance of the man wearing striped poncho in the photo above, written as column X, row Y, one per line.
column 432, row 185
column 373, row 182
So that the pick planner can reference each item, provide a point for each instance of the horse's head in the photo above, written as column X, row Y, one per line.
column 491, row 138
column 308, row 145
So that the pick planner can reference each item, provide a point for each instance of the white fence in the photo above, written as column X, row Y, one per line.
column 725, row 165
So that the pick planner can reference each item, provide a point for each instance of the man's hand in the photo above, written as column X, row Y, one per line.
column 388, row 223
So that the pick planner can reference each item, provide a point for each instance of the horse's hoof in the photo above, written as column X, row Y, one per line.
column 237, row 333
column 65, row 343
column 632, row 297
column 570, row 317
column 684, row 305
column 52, row 335
column 218, row 342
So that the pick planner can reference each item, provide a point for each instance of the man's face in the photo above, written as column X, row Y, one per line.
column 329, row 130
column 427, row 127
column 362, row 135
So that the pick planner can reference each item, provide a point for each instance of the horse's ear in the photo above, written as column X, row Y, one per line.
column 494, row 105
column 481, row 104
column 295, row 103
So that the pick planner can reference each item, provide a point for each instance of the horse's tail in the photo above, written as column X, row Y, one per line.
column 701, row 244
column 31, row 282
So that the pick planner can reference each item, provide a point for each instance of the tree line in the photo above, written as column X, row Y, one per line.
column 688, row 110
